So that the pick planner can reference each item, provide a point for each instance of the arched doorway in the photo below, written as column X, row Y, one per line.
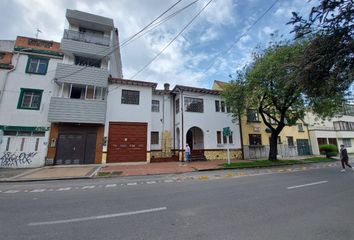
column 195, row 140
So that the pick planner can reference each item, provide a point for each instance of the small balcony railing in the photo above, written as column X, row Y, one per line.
column 86, row 37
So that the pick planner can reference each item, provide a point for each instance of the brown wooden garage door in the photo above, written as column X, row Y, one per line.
column 127, row 142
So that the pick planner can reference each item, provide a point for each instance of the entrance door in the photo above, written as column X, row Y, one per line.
column 70, row 149
column 90, row 148
column 195, row 140
column 127, row 142
column 303, row 147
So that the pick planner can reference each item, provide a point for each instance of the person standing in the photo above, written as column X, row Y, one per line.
column 343, row 154
column 187, row 153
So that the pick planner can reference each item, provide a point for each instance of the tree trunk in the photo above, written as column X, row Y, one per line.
column 273, row 147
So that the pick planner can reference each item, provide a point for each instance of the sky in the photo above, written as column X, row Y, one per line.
column 196, row 58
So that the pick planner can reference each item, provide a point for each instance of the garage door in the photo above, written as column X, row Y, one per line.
column 127, row 142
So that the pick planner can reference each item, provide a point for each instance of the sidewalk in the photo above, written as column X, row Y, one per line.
column 48, row 173
column 161, row 168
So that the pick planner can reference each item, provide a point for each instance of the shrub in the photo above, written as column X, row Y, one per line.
column 329, row 150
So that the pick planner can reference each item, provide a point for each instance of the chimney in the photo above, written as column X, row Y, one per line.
column 166, row 86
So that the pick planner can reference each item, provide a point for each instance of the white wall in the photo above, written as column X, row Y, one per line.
column 117, row 112
column 9, row 114
column 210, row 122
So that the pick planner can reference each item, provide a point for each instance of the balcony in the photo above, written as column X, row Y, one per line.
column 77, row 110
column 86, row 37
column 68, row 73
column 84, row 49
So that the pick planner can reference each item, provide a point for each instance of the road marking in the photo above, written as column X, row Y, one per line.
column 63, row 189
column 151, row 182
column 12, row 191
column 131, row 183
column 308, row 184
column 98, row 217
column 88, row 187
column 38, row 190
column 168, row 181
column 111, row 185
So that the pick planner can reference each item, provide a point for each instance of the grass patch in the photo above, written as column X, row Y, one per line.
column 261, row 163
column 319, row 159
column 104, row 174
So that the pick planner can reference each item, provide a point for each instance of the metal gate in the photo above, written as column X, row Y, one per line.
column 303, row 147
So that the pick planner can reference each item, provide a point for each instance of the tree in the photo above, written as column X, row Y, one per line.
column 270, row 85
column 328, row 68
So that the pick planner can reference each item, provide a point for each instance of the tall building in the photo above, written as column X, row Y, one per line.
column 77, row 111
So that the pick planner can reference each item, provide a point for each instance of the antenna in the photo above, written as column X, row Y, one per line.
column 38, row 31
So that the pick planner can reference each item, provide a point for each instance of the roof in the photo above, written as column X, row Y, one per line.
column 162, row 92
column 195, row 89
column 7, row 45
column 219, row 85
column 132, row 82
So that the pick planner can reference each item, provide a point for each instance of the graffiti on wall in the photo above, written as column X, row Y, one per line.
column 10, row 159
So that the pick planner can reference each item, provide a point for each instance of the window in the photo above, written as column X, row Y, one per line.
column 300, row 127
column 155, row 106
column 24, row 133
column 77, row 92
column 343, row 126
column 321, row 141
column 347, row 142
column 87, row 62
column 231, row 138
column 218, row 137
column 224, row 139
column 290, row 141
column 37, row 65
column 217, row 106
column 255, row 139
column 130, row 97
column 193, row 104
column 177, row 106
column 252, row 115
column 222, row 106
column 154, row 137
column 30, row 99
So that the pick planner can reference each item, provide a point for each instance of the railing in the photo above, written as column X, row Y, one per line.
column 86, row 37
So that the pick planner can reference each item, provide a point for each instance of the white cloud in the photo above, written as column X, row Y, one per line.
column 209, row 35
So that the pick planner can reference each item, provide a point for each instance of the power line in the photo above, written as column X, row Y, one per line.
column 130, row 38
column 155, row 25
column 183, row 29
column 241, row 36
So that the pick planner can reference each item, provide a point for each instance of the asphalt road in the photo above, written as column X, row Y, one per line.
column 313, row 204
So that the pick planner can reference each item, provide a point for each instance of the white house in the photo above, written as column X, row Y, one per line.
column 26, row 88
column 338, row 130
column 146, row 124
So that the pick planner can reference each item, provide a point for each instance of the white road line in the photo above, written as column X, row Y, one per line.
column 167, row 181
column 151, row 182
column 97, row 217
column 12, row 191
column 63, row 189
column 38, row 190
column 88, row 187
column 131, row 183
column 111, row 185
column 308, row 184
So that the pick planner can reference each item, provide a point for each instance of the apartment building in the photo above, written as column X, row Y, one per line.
column 77, row 109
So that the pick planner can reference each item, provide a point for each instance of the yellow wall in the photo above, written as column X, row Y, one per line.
column 260, row 127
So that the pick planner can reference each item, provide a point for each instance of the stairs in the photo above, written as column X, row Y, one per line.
column 194, row 158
